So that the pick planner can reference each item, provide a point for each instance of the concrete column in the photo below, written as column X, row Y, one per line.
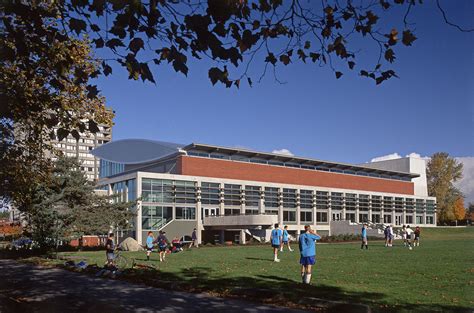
column 221, row 204
column 199, row 226
column 404, row 216
column 109, row 189
column 329, row 213
column 370, row 212
column 298, row 208
column 242, row 200
column 343, row 207
column 414, row 217
column 242, row 237
column 424, row 216
column 261, row 202
column 393, row 215
column 126, row 191
column 280, row 206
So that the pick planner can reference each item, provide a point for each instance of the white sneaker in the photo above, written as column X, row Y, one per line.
column 281, row 250
column 291, row 250
column 276, row 260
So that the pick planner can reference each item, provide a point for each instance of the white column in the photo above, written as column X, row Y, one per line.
column 261, row 202
column 242, row 237
column 280, row 206
column 242, row 199
column 138, row 221
column 199, row 226
column 298, row 207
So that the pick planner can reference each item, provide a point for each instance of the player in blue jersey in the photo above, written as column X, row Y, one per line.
column 276, row 240
column 363, row 235
column 286, row 239
column 308, row 252
column 149, row 245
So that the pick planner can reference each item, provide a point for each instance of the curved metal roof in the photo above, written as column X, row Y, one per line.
column 135, row 151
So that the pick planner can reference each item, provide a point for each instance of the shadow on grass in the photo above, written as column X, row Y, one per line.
column 259, row 259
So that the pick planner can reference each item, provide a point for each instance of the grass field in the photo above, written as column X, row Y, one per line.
column 438, row 276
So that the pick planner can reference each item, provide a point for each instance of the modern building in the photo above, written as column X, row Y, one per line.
column 81, row 149
column 230, row 194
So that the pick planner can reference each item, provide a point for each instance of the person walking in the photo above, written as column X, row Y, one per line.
column 276, row 240
column 162, row 245
column 417, row 236
column 149, row 245
column 307, row 253
column 404, row 235
column 409, row 233
column 194, row 241
column 364, row 237
column 386, row 233
column 286, row 239
column 391, row 236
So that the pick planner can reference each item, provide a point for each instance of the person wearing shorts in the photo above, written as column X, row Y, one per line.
column 391, row 235
column 364, row 237
column 276, row 240
column 409, row 235
column 417, row 236
column 307, row 253
column 162, row 245
column 109, row 249
column 286, row 239
column 149, row 245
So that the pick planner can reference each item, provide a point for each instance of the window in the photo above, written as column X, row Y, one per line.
column 336, row 200
column 419, row 205
column 409, row 204
column 364, row 201
column 306, row 216
column 430, row 206
column 185, row 213
column 409, row 219
column 351, row 201
column 184, row 192
column 322, row 200
column 232, row 194
column 399, row 204
column 419, row 219
column 429, row 220
column 375, row 218
column 306, row 199
column 155, row 217
column 387, row 202
column 251, row 211
column 289, row 216
column 157, row 190
column 350, row 217
column 289, row 198
column 231, row 211
column 376, row 203
column 271, row 197
column 252, row 196
column 321, row 217
column 210, row 193
column 363, row 218
column 387, row 219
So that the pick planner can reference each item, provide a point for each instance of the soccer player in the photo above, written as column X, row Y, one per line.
column 286, row 239
column 409, row 231
column 308, row 252
column 417, row 236
column 404, row 235
column 162, row 245
column 149, row 245
column 386, row 232
column 364, row 237
column 391, row 235
column 276, row 239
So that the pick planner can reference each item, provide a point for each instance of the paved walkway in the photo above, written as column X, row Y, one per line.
column 29, row 288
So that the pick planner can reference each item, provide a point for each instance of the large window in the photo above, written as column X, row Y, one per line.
column 252, row 196
column 289, row 198
column 322, row 200
column 132, row 189
column 289, row 216
column 185, row 192
column 271, row 197
column 387, row 203
column 364, row 202
column 306, row 216
column 321, row 217
column 430, row 206
column 210, row 193
column 185, row 213
column 399, row 204
column 231, row 194
column 157, row 190
column 376, row 203
column 351, row 201
column 155, row 217
column 336, row 200
column 419, row 205
column 306, row 199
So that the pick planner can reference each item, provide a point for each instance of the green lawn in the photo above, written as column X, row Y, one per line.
column 437, row 276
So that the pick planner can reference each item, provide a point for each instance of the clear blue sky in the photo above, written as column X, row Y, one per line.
column 429, row 109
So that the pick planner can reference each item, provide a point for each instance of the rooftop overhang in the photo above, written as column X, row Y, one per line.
column 294, row 159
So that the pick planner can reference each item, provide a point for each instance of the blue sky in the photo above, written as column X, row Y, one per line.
column 429, row 109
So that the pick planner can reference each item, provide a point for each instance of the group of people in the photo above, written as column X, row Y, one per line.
column 411, row 238
column 279, row 238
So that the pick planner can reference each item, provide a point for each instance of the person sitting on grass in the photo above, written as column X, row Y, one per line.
column 109, row 250
column 286, row 239
column 176, row 245
column 276, row 240
column 364, row 237
column 308, row 252
column 149, row 245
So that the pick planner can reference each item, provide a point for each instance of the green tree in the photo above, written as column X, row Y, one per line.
column 66, row 206
column 442, row 171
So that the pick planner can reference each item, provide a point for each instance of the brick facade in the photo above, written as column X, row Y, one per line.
column 195, row 166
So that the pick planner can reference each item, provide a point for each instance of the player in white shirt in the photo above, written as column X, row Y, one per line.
column 409, row 233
